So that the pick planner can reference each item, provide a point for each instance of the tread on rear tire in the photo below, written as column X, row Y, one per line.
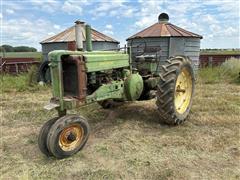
column 166, row 90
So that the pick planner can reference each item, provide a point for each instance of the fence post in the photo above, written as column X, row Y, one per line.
column 16, row 66
column 210, row 61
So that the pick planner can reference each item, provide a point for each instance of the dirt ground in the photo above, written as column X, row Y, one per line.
column 128, row 142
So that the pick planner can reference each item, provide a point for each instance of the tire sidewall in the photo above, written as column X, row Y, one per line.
column 56, row 129
column 43, row 134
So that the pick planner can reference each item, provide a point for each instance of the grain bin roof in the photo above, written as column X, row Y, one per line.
column 164, row 29
column 69, row 35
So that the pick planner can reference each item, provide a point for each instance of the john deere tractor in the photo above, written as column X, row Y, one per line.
column 82, row 77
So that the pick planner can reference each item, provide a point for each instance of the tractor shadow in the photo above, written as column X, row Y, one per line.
column 141, row 113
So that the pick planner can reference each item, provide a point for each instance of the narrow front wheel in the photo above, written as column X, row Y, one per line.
column 42, row 137
column 67, row 136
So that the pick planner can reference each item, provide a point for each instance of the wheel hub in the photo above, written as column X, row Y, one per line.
column 178, row 90
column 183, row 91
column 71, row 137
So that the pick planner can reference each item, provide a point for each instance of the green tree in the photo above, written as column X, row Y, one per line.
column 24, row 49
column 6, row 48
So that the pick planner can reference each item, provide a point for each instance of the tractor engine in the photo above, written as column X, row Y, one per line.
column 96, row 79
column 80, row 78
column 83, row 74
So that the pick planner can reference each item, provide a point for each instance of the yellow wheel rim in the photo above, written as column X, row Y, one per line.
column 71, row 137
column 183, row 91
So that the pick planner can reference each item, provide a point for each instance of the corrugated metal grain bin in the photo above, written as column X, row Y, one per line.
column 66, row 41
column 172, row 40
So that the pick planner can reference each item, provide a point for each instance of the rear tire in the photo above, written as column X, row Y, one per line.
column 175, row 90
column 44, row 72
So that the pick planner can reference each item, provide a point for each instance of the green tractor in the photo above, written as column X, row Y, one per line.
column 83, row 77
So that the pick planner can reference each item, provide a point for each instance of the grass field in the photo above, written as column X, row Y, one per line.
column 37, row 55
column 219, row 52
column 127, row 142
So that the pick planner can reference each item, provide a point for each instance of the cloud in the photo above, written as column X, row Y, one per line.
column 181, row 8
column 70, row 8
column 128, row 12
column 49, row 6
column 145, row 22
column 108, row 32
column 148, row 13
column 212, row 19
column 9, row 11
column 13, row 5
column 109, row 26
column 23, row 31
column 50, row 33
column 209, row 19
column 118, row 9
column 106, row 6
column 231, row 32
column 56, row 26
column 229, row 6
column 75, row 7
column 215, row 20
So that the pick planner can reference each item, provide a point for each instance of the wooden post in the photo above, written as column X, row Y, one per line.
column 16, row 66
column 210, row 61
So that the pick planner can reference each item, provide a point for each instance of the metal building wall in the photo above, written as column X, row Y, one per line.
column 172, row 46
column 48, row 47
column 192, row 50
column 105, row 45
column 160, row 42
column 186, row 46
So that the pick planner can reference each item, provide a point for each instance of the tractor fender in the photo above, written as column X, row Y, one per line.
column 133, row 87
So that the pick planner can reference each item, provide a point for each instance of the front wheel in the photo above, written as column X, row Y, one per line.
column 175, row 90
column 67, row 136
column 42, row 138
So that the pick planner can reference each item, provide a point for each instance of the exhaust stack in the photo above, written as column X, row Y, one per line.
column 88, row 37
column 79, row 29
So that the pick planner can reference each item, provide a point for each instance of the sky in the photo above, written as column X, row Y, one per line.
column 27, row 22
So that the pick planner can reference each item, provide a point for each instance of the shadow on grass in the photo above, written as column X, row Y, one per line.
column 142, row 113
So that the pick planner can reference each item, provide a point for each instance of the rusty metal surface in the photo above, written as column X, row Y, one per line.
column 69, row 35
column 81, row 83
column 71, row 45
column 164, row 30
column 17, row 65
column 215, row 60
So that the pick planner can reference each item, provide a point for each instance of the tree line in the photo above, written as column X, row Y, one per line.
column 216, row 49
column 8, row 48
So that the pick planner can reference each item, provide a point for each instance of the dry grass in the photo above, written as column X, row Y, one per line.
column 128, row 142
column 228, row 72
